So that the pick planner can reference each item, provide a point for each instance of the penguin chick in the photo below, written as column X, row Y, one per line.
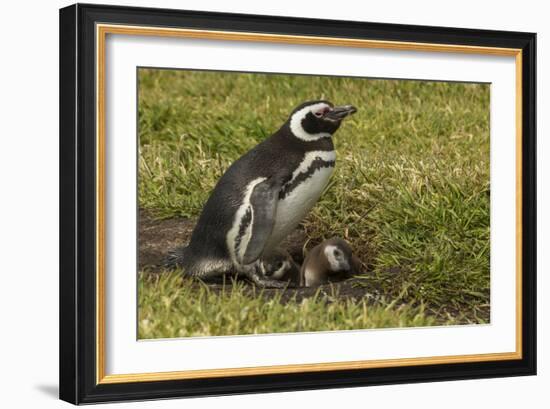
column 332, row 260
column 280, row 266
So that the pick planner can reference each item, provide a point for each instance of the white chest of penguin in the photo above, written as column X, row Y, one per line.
column 301, row 192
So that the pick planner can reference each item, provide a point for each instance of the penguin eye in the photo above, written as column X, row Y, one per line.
column 279, row 265
column 337, row 253
column 321, row 112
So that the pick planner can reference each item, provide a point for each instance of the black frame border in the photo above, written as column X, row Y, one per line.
column 78, row 197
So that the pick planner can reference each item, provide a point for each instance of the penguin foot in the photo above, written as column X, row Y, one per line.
column 266, row 283
column 260, row 280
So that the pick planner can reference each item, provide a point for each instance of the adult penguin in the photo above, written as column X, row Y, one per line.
column 263, row 196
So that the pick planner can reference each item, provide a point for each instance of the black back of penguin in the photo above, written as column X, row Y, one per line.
column 276, row 157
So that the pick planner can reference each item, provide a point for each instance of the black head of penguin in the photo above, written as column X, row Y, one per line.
column 318, row 117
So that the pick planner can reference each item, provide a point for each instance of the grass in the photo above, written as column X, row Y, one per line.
column 410, row 191
column 234, row 311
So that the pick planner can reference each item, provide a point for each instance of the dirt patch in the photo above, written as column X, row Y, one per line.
column 350, row 289
column 158, row 237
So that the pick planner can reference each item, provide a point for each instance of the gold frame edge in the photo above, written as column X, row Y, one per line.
column 103, row 29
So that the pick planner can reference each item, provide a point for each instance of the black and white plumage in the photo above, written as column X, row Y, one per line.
column 279, row 265
column 263, row 196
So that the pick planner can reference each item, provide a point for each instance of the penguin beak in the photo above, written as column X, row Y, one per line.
column 340, row 112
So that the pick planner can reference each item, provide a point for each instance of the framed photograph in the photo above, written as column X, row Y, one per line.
column 257, row 203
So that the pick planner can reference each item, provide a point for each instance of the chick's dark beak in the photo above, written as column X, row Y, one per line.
column 340, row 112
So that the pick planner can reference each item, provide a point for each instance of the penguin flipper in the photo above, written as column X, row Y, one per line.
column 264, row 201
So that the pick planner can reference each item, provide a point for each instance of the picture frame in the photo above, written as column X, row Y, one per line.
column 83, row 213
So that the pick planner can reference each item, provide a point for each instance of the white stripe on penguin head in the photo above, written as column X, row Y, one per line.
column 296, row 123
column 335, row 264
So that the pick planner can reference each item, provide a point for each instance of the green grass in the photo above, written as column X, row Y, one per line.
column 172, row 307
column 410, row 191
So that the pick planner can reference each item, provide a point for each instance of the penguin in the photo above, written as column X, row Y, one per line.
column 280, row 266
column 263, row 196
column 332, row 260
